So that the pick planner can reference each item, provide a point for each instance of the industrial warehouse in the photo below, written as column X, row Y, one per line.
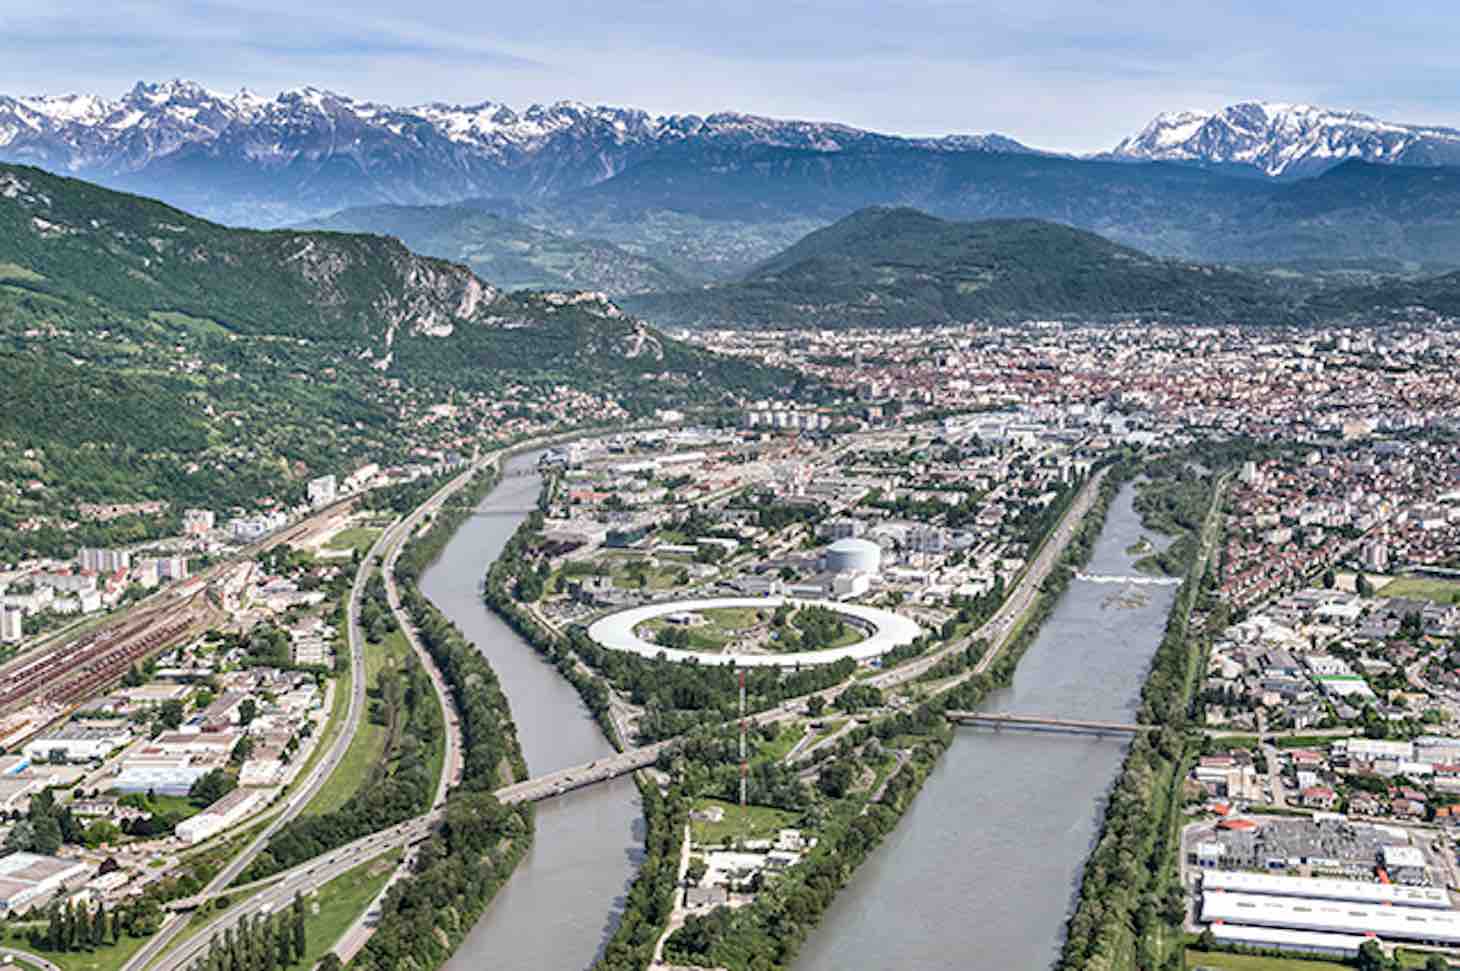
column 27, row 879
column 1323, row 915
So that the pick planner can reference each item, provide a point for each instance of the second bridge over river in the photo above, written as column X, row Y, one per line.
column 1043, row 723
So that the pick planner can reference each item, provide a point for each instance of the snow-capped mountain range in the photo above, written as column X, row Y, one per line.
column 1287, row 139
column 305, row 153
column 308, row 151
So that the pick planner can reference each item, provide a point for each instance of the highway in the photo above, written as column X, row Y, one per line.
column 452, row 763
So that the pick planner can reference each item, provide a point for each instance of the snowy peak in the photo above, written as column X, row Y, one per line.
column 1282, row 139
column 309, row 151
column 81, row 123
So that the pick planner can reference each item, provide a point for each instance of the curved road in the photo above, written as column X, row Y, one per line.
column 391, row 540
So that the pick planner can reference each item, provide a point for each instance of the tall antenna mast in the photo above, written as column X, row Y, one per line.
column 744, row 769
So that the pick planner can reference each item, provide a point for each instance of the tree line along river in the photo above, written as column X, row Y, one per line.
column 982, row 872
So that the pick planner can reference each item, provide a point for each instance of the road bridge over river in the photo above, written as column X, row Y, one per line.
column 1043, row 723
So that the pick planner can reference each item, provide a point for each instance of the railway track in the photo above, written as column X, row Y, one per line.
column 66, row 673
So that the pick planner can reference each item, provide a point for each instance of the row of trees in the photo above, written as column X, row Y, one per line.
column 260, row 943
column 76, row 927
column 650, row 899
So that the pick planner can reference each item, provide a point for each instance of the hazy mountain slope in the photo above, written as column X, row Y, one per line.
column 1398, row 299
column 510, row 254
column 1356, row 211
column 707, row 197
column 902, row 267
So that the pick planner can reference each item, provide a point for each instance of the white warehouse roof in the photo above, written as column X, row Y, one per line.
column 889, row 630
column 1390, row 923
column 1359, row 891
column 1314, row 941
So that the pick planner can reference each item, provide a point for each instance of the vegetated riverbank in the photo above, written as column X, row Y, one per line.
column 650, row 900
column 461, row 867
column 503, row 581
column 1131, row 907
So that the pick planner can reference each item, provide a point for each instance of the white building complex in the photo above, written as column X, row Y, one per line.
column 12, row 625
column 321, row 491
column 854, row 555
column 221, row 815
column 78, row 742
column 29, row 878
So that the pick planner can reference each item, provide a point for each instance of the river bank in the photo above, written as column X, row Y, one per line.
column 983, row 872
column 565, row 896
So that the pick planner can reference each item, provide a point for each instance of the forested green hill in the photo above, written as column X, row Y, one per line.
column 903, row 267
column 147, row 354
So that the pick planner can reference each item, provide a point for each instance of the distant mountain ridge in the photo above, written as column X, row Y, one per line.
column 1287, row 140
column 898, row 267
column 901, row 267
column 309, row 151
column 706, row 198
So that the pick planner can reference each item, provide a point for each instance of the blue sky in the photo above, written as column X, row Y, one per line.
column 1062, row 74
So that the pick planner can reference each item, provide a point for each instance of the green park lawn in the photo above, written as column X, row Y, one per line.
column 331, row 912
column 732, row 618
column 1218, row 961
column 108, row 957
column 1423, row 588
column 368, row 745
column 752, row 822
column 355, row 537
column 777, row 749
column 700, row 638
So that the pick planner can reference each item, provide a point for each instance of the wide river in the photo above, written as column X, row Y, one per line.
column 566, row 896
column 981, row 872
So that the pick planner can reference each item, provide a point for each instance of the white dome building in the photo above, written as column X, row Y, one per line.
column 854, row 556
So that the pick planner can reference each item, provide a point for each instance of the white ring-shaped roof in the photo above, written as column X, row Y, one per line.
column 889, row 630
